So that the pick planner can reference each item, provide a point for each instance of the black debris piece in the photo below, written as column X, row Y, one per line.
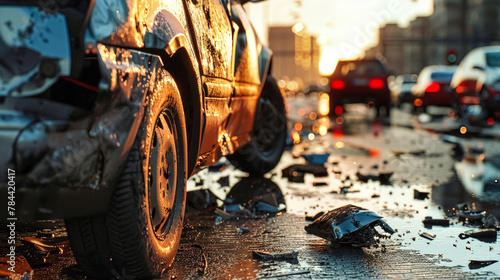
column 242, row 230
column 350, row 224
column 487, row 235
column 223, row 181
column 200, row 199
column 366, row 178
column 384, row 178
column 480, row 264
column 320, row 184
column 420, row 195
column 429, row 222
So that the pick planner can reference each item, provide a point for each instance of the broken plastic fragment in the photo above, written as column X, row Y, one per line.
column 487, row 235
column 350, row 224
column 479, row 264
column 429, row 222
column 427, row 235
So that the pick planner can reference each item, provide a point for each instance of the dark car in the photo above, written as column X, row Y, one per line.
column 401, row 89
column 433, row 87
column 477, row 81
column 107, row 107
column 359, row 81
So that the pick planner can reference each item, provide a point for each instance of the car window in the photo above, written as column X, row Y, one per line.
column 493, row 59
column 442, row 76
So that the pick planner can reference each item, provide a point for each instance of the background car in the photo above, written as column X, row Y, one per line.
column 401, row 89
column 477, row 81
column 433, row 87
column 360, row 81
column 107, row 108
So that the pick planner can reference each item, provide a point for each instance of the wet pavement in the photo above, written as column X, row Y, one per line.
column 405, row 169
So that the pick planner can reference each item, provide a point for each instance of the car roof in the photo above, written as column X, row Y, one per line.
column 487, row 49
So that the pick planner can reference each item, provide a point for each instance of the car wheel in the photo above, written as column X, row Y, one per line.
column 139, row 235
column 267, row 143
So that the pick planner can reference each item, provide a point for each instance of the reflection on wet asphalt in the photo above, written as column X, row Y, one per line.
column 404, row 173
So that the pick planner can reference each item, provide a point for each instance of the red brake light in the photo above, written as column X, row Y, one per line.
column 376, row 84
column 337, row 84
column 466, row 86
column 433, row 87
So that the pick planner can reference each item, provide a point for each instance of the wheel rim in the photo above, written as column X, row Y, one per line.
column 268, row 125
column 162, row 175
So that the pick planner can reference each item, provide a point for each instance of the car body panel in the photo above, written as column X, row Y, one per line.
column 438, row 76
column 475, row 81
column 66, row 151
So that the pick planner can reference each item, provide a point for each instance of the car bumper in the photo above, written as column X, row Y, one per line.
column 340, row 98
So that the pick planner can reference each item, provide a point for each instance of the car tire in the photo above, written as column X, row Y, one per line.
column 268, row 138
column 139, row 235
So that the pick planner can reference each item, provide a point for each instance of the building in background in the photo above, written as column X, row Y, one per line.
column 456, row 25
column 296, row 54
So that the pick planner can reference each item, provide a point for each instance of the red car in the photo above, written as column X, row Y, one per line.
column 433, row 87
column 359, row 81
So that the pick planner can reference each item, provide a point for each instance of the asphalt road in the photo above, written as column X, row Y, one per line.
column 404, row 168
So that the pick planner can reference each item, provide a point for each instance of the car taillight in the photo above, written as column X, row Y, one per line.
column 376, row 83
column 337, row 84
column 466, row 86
column 433, row 87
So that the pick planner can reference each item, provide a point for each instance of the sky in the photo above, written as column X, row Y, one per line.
column 344, row 28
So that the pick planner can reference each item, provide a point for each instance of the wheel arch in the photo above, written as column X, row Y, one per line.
column 169, row 40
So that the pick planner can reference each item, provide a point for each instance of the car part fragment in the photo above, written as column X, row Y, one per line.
column 350, row 224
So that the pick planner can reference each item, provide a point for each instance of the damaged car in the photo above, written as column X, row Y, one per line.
column 108, row 107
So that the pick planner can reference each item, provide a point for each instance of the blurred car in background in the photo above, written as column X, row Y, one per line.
column 360, row 81
column 477, row 81
column 433, row 87
column 401, row 89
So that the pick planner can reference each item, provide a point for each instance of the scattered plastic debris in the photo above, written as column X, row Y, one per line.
column 487, row 235
column 263, row 255
column 350, row 224
column 383, row 178
column 429, row 222
column 320, row 184
column 473, row 264
column 319, row 159
column 295, row 173
column 427, row 235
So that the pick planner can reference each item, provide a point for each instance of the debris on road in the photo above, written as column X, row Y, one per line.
column 223, row 214
column 429, row 222
column 491, row 222
column 427, row 235
column 265, row 256
column 242, row 230
column 318, row 159
column 473, row 264
column 40, row 245
column 383, row 178
column 419, row 195
column 350, row 224
column 320, row 184
column 295, row 173
column 487, row 235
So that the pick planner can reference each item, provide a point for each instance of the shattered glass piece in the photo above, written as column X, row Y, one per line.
column 420, row 195
column 350, row 224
